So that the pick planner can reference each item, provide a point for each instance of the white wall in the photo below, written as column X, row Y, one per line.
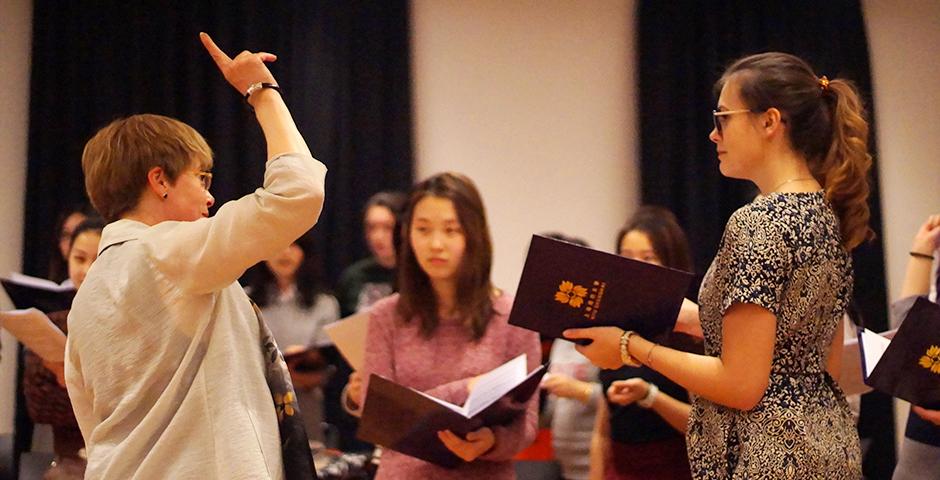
column 535, row 101
column 904, row 42
column 15, row 40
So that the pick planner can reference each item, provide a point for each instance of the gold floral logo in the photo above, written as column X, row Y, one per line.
column 931, row 361
column 570, row 294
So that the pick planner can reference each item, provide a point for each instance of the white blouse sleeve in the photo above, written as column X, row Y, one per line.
column 209, row 254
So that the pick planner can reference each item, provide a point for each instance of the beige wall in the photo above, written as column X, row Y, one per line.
column 904, row 41
column 535, row 101
column 15, row 41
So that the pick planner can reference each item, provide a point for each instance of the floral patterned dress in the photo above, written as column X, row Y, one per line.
column 781, row 252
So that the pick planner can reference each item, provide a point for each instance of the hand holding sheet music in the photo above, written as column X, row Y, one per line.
column 34, row 329
column 409, row 421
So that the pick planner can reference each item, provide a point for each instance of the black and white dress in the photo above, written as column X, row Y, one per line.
column 781, row 252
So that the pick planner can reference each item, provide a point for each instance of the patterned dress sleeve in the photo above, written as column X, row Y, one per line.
column 758, row 260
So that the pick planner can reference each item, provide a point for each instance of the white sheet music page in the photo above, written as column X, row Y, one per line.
column 873, row 346
column 494, row 384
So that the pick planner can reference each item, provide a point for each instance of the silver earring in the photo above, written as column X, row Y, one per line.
column 165, row 194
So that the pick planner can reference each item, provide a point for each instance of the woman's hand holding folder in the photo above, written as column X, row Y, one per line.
column 477, row 443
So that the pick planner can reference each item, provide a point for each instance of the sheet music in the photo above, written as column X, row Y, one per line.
column 851, row 378
column 873, row 346
column 40, row 283
column 34, row 329
column 349, row 336
column 494, row 384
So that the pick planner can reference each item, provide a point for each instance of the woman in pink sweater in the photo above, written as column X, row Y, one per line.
column 448, row 325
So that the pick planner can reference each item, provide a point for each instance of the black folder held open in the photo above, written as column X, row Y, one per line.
column 407, row 421
column 907, row 366
column 31, row 292
column 569, row 286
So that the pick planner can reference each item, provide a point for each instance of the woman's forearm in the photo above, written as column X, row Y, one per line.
column 675, row 412
column 739, row 377
column 280, row 131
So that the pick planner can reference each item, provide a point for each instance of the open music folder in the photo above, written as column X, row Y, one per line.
column 31, row 292
column 908, row 365
column 407, row 421
column 569, row 286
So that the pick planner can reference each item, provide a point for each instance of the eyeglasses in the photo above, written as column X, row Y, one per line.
column 717, row 114
column 205, row 178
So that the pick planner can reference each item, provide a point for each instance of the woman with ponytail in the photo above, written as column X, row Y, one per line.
column 771, row 304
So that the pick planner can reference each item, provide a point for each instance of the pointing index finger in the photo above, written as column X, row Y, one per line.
column 215, row 52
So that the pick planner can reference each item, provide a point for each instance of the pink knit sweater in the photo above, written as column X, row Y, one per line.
column 440, row 366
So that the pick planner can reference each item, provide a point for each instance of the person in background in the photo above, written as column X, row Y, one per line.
column 373, row 278
column 919, row 453
column 171, row 370
column 47, row 400
column 289, row 290
column 640, row 428
column 360, row 285
column 447, row 325
column 65, row 225
column 765, row 401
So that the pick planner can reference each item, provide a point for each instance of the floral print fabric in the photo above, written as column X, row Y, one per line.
column 781, row 252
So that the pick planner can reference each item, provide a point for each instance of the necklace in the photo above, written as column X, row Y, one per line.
column 801, row 179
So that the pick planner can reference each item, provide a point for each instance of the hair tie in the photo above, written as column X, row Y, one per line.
column 824, row 83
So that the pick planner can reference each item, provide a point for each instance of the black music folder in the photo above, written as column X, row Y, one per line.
column 569, row 286
column 407, row 421
column 41, row 294
column 907, row 366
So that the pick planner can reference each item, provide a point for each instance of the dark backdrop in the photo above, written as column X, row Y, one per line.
column 683, row 48
column 344, row 68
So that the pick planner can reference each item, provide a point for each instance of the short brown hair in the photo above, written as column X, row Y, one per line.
column 116, row 160
column 475, row 291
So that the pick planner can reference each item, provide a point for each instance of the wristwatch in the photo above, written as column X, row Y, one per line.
column 254, row 87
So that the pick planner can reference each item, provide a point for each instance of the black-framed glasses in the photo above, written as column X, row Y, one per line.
column 717, row 114
column 205, row 178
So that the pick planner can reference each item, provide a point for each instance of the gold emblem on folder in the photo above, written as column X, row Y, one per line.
column 570, row 294
column 931, row 360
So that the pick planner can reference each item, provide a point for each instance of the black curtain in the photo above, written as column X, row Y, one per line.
column 344, row 68
column 683, row 48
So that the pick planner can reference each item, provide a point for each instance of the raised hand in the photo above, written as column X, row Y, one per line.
column 243, row 70
column 927, row 238
column 476, row 444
